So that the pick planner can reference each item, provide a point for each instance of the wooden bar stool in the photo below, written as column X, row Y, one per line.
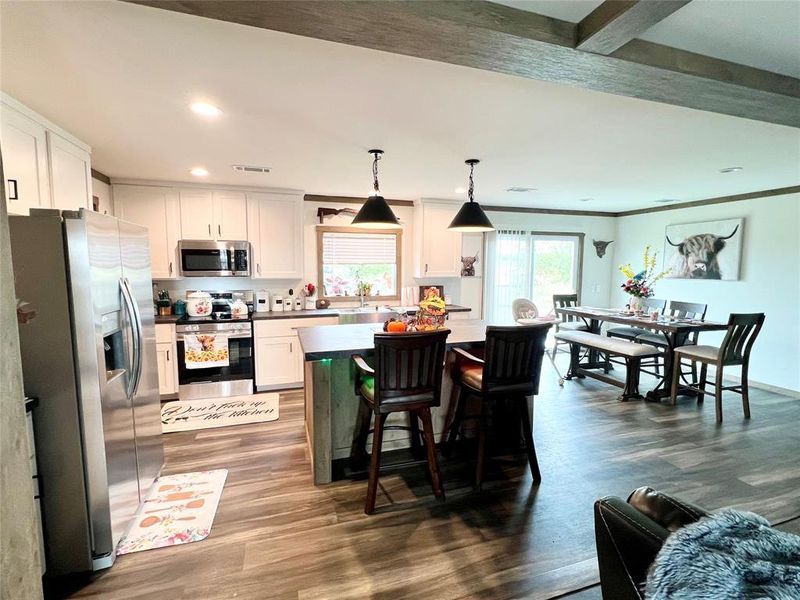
column 735, row 350
column 407, row 378
column 511, row 368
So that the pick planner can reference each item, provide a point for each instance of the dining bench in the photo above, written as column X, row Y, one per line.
column 631, row 352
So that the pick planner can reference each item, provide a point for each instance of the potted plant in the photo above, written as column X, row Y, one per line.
column 640, row 285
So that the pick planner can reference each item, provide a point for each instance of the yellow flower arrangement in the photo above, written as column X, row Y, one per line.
column 641, row 284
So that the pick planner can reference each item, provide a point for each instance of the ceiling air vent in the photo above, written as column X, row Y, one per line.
column 249, row 169
column 521, row 189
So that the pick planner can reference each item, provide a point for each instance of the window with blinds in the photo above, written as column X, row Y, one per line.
column 355, row 262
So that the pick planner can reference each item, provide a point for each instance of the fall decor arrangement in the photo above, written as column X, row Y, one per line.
column 430, row 316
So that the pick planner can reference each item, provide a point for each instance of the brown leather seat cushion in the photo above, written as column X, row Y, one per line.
column 472, row 375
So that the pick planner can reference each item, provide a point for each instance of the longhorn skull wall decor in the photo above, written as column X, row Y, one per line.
column 600, row 247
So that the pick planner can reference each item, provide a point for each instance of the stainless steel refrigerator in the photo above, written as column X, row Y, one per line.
column 89, row 356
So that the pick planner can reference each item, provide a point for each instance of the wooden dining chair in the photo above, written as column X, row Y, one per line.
column 677, row 310
column 407, row 378
column 735, row 349
column 511, row 368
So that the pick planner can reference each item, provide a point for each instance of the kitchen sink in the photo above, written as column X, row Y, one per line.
column 368, row 314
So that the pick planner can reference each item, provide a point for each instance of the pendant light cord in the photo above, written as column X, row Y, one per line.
column 375, row 185
column 471, row 190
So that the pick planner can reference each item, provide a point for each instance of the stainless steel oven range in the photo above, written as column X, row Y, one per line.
column 235, row 379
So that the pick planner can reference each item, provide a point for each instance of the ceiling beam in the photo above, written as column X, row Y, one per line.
column 616, row 22
column 494, row 37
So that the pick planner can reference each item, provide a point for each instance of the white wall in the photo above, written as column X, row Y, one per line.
column 597, row 272
column 769, row 283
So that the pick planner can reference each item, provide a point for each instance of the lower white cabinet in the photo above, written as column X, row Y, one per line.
column 276, row 361
column 279, row 356
column 167, row 362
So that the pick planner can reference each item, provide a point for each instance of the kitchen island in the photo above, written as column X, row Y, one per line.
column 331, row 404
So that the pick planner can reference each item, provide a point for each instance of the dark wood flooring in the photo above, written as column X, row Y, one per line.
column 277, row 536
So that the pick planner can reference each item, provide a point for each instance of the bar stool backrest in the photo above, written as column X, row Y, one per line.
column 409, row 366
column 566, row 301
column 513, row 359
column 524, row 309
column 742, row 332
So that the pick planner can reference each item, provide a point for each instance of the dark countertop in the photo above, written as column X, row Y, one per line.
column 333, row 312
column 296, row 314
column 343, row 340
column 169, row 319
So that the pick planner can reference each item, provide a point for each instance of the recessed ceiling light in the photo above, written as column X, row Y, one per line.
column 199, row 172
column 520, row 189
column 585, row 199
column 460, row 190
column 731, row 169
column 205, row 109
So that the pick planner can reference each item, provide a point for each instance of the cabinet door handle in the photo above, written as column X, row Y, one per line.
column 167, row 355
column 219, row 230
column 258, row 268
column 170, row 267
column 13, row 190
column 291, row 349
column 426, row 267
column 209, row 229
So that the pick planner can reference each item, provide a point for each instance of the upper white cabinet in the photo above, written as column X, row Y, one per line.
column 213, row 215
column 24, row 146
column 44, row 166
column 70, row 173
column 230, row 210
column 157, row 209
column 197, row 214
column 437, row 251
column 275, row 227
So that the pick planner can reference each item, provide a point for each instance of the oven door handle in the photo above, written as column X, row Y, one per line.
column 233, row 336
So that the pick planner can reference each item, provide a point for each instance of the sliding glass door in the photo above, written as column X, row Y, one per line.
column 534, row 265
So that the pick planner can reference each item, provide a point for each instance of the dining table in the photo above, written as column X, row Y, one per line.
column 676, row 332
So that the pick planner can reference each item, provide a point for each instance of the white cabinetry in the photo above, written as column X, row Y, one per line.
column 230, row 215
column 437, row 251
column 213, row 215
column 44, row 166
column 24, row 145
column 279, row 357
column 70, row 174
column 275, row 227
column 157, row 209
column 167, row 363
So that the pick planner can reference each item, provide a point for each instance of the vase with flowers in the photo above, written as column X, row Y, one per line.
column 308, row 291
column 640, row 285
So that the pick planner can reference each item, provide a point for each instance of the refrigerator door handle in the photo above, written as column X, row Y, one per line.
column 139, row 337
column 134, row 366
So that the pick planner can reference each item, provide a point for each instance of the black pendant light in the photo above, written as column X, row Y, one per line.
column 471, row 217
column 376, row 212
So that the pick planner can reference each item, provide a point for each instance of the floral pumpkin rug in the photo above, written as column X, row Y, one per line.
column 179, row 509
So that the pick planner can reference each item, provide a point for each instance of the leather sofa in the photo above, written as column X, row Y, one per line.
column 629, row 535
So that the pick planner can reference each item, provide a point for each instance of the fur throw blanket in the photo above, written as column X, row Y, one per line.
column 730, row 555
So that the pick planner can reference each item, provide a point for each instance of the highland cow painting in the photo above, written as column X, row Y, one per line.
column 708, row 250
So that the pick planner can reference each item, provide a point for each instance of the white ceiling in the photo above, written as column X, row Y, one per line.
column 121, row 77
column 759, row 33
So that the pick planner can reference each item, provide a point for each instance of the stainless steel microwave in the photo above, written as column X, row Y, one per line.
column 202, row 258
